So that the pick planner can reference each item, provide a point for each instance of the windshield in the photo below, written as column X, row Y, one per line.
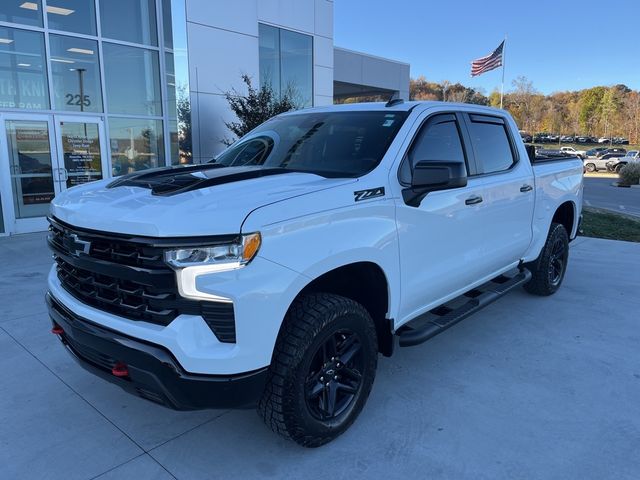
column 331, row 144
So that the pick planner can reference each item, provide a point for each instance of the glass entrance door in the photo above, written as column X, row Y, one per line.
column 45, row 155
column 29, row 171
column 80, row 150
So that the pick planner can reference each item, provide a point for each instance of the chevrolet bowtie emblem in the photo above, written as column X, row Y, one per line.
column 75, row 246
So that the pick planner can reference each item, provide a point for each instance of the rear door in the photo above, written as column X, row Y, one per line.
column 507, row 191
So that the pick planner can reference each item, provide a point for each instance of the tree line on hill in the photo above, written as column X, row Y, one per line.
column 598, row 111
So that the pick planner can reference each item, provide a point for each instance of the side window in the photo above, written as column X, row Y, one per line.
column 437, row 140
column 251, row 152
column 491, row 145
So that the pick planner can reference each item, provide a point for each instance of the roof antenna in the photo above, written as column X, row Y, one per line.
column 394, row 100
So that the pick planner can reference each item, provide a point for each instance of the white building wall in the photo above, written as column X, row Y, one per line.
column 223, row 45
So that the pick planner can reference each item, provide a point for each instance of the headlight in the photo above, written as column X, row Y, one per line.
column 226, row 256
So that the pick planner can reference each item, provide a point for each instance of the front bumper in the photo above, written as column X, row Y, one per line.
column 152, row 371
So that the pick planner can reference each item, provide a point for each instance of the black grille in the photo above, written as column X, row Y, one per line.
column 129, row 279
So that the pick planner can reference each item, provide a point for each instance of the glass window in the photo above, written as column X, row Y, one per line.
column 20, row 11
column 331, row 144
column 438, row 140
column 286, row 63
column 269, row 44
column 23, row 74
column 135, row 144
column 132, row 80
column 76, row 74
column 129, row 20
column 491, row 146
column 77, row 16
column 296, row 58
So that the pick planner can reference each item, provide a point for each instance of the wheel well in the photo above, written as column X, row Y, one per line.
column 565, row 215
column 365, row 283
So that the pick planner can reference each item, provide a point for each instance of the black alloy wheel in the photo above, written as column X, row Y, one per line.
column 335, row 375
column 557, row 261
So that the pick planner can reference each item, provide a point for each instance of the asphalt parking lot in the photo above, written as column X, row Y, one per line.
column 529, row 388
column 599, row 192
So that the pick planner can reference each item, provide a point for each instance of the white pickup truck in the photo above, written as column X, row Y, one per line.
column 581, row 154
column 275, row 275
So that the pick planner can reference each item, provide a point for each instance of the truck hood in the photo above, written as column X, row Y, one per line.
column 216, row 201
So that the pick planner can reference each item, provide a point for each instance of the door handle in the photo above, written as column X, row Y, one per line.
column 473, row 200
column 526, row 188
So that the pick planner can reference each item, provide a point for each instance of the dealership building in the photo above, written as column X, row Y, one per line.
column 93, row 89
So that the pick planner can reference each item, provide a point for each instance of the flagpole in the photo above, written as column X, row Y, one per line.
column 504, row 48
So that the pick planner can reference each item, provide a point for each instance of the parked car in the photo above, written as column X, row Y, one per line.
column 594, row 151
column 621, row 141
column 567, row 139
column 225, row 285
column 602, row 140
column 526, row 138
column 581, row 154
column 616, row 163
column 600, row 163
column 611, row 150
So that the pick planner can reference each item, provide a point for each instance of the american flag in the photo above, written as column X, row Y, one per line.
column 490, row 62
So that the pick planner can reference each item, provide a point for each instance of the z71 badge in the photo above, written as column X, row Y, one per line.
column 370, row 193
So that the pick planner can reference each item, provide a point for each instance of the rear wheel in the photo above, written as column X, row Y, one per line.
column 322, row 370
column 590, row 167
column 549, row 268
column 619, row 167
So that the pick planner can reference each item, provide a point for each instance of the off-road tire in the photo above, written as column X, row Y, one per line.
column 543, row 281
column 310, row 321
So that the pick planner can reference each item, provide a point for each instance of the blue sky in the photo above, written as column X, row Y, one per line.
column 559, row 45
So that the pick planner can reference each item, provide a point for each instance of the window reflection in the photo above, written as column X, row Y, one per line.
column 76, row 74
column 296, row 58
column 286, row 63
column 178, row 105
column 132, row 80
column 129, row 20
column 135, row 144
column 269, row 41
column 77, row 16
column 20, row 11
column 23, row 78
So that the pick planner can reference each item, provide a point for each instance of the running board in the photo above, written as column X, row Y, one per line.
column 435, row 321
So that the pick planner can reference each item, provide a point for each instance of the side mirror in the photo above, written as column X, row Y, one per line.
column 431, row 176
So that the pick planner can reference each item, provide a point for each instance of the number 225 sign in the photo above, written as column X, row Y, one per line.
column 80, row 101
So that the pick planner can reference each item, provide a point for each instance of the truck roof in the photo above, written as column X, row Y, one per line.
column 398, row 107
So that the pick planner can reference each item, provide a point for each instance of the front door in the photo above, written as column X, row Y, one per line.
column 45, row 154
column 441, row 239
column 29, row 172
column 80, row 147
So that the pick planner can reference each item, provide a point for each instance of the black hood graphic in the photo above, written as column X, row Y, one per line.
column 175, row 180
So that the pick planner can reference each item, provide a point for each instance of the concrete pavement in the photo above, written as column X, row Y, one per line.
column 599, row 193
column 529, row 388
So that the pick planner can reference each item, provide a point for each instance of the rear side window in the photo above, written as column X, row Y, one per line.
column 491, row 146
column 438, row 140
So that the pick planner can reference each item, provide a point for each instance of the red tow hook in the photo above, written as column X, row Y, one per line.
column 120, row 370
column 57, row 329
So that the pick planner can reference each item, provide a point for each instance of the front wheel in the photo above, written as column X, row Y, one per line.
column 618, row 168
column 549, row 268
column 590, row 167
column 322, row 369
